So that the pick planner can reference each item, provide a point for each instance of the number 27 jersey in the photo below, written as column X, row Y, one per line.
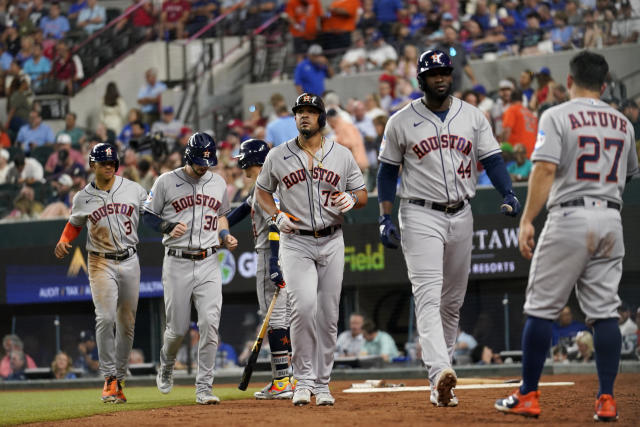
column 593, row 146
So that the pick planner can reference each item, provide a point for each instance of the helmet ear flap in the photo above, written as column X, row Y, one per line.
column 322, row 119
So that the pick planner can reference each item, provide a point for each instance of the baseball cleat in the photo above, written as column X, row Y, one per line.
column 434, row 398
column 164, row 379
column 526, row 405
column 120, row 395
column 301, row 397
column 276, row 389
column 325, row 399
column 606, row 409
column 446, row 381
column 207, row 398
column 110, row 390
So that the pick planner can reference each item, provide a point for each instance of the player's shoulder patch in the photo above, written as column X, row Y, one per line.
column 149, row 197
column 540, row 139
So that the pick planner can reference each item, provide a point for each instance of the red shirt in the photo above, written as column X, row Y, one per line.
column 141, row 17
column 175, row 9
column 64, row 69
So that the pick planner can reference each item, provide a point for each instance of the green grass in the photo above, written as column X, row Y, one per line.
column 18, row 407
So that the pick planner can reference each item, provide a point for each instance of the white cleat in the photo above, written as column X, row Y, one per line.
column 164, row 379
column 434, row 398
column 207, row 398
column 301, row 397
column 445, row 383
column 325, row 399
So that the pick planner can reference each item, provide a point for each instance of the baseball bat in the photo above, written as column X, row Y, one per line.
column 255, row 350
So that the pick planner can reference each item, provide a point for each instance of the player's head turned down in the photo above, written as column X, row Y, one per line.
column 251, row 156
column 310, row 114
column 200, row 154
column 434, row 75
column 588, row 72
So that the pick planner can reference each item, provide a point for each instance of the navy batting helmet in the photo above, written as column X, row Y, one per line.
column 430, row 60
column 104, row 152
column 252, row 152
column 311, row 100
column 201, row 150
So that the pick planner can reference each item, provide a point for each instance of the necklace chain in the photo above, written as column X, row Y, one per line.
column 312, row 154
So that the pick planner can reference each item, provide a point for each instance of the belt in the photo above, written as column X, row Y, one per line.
column 192, row 255
column 117, row 256
column 448, row 209
column 580, row 202
column 320, row 233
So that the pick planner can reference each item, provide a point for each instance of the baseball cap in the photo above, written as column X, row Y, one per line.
column 375, row 36
column 185, row 130
column 628, row 103
column 235, row 123
column 479, row 89
column 505, row 146
column 505, row 84
column 77, row 171
column 545, row 70
column 222, row 145
column 314, row 49
column 447, row 16
column 65, row 180
column 167, row 110
column 86, row 336
column 63, row 138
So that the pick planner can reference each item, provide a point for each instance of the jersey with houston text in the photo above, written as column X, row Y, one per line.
column 438, row 158
column 307, row 194
column 593, row 146
column 198, row 203
column 111, row 217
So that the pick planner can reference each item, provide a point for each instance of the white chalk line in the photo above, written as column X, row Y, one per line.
column 460, row 387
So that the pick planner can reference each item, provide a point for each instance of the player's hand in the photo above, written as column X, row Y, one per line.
column 284, row 222
column 510, row 205
column 178, row 230
column 230, row 242
column 62, row 249
column 275, row 273
column 525, row 239
column 389, row 235
column 343, row 201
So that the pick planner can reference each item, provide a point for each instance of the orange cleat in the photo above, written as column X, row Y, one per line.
column 605, row 408
column 110, row 390
column 526, row 405
column 120, row 395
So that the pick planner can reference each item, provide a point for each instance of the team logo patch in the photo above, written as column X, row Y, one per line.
column 149, row 197
column 306, row 98
column 205, row 154
column 539, row 140
column 436, row 57
column 109, row 151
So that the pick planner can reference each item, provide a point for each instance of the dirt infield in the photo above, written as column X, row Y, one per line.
column 571, row 405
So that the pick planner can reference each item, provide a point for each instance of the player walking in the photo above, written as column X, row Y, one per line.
column 111, row 207
column 438, row 140
column 268, row 275
column 584, row 152
column 318, row 181
column 188, row 205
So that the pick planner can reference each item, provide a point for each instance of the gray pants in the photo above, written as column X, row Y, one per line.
column 115, row 288
column 266, row 288
column 198, row 281
column 313, row 270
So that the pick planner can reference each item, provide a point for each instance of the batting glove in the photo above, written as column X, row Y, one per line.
column 274, row 272
column 344, row 201
column 389, row 235
column 510, row 205
column 284, row 224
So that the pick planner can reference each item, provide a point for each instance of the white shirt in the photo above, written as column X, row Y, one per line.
column 32, row 169
column 380, row 54
column 629, row 327
column 348, row 345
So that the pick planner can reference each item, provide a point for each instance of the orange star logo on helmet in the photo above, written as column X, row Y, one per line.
column 306, row 98
column 108, row 151
column 436, row 58
column 205, row 154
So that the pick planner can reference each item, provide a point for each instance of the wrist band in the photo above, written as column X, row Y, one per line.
column 355, row 197
column 224, row 233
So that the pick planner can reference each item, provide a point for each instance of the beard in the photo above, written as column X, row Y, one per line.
column 308, row 133
column 432, row 95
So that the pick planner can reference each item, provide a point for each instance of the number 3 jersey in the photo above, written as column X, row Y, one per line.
column 176, row 197
column 438, row 157
column 593, row 146
column 111, row 217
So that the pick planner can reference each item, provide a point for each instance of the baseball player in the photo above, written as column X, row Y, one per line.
column 268, row 275
column 437, row 139
column 317, row 181
column 584, row 152
column 110, row 206
column 188, row 205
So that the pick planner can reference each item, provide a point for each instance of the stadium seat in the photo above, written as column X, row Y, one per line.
column 8, row 193
column 42, row 191
column 113, row 13
column 13, row 151
column 42, row 153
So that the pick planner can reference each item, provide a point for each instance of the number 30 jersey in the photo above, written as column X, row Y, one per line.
column 593, row 146
column 438, row 157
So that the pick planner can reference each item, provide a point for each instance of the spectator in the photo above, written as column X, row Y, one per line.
column 378, row 343
column 367, row 129
column 384, row 95
column 407, row 64
column 37, row 12
column 337, row 25
column 355, row 59
column 615, row 91
column 129, row 166
column 12, row 40
column 4, row 165
column 77, row 135
column 561, row 34
column 143, row 17
column 560, row 354
column 347, row 134
column 573, row 12
column 55, row 25
column 521, row 168
column 350, row 342
column 25, row 207
column 505, row 87
column 5, row 58
column 373, row 106
column 559, row 94
column 303, row 17
column 481, row 15
column 283, row 128
column 387, row 12
column 92, row 18
column 519, row 125
column 201, row 13
column 543, row 93
column 628, row 330
column 256, row 116
column 136, row 356
column 61, row 367
column 147, row 174
column 150, row 96
column 12, row 343
column 59, row 162
column 168, row 126
column 226, row 356
column 275, row 101
column 584, row 340
column 484, row 355
column 405, row 93
column 25, row 25
column 471, row 97
column 18, row 105
column 465, row 344
column 367, row 19
column 380, row 52
column 485, row 103
column 35, row 133
column 37, row 67
column 173, row 19
column 87, row 359
column 59, row 205
column 187, row 355
column 74, row 10
column 630, row 110
column 310, row 74
column 18, row 364
column 593, row 35
column 114, row 109
column 626, row 28
column 26, row 50
column 138, row 132
column 332, row 100
column 526, row 78
column 565, row 328
column 531, row 36
column 134, row 115
column 64, row 68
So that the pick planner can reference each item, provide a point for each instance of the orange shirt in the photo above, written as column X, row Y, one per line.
column 339, row 24
column 523, row 125
column 306, row 17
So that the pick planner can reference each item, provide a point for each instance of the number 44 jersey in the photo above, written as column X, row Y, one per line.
column 593, row 146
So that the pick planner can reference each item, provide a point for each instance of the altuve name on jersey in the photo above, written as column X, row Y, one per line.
column 604, row 119
column 430, row 144
column 200, row 200
column 321, row 174
column 110, row 209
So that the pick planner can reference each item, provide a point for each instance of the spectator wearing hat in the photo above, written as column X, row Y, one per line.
column 59, row 205
column 35, row 133
column 92, row 18
column 25, row 170
column 150, row 95
column 87, row 360
column 380, row 52
column 64, row 158
column 337, row 25
column 310, row 73
column 459, row 60
column 77, row 135
column 283, row 128
column 545, row 84
column 485, row 103
column 303, row 17
column 505, row 87
column 519, row 125
column 239, row 129
column 168, row 126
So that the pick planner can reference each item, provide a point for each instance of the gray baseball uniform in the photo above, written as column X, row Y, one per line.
column 312, row 264
column 112, row 221
column 593, row 146
column 439, row 173
column 176, row 197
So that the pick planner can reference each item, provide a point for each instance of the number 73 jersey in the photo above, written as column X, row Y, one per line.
column 593, row 146
column 438, row 157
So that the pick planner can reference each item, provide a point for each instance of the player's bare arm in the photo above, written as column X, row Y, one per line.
column 540, row 182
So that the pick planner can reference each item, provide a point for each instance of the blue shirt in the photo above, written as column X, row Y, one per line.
column 54, row 28
column 75, row 7
column 147, row 91
column 281, row 130
column 561, row 36
column 570, row 331
column 125, row 134
column 35, row 70
column 96, row 12
column 5, row 60
column 310, row 76
column 387, row 10
column 40, row 136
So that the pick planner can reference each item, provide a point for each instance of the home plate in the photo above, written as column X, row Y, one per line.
column 393, row 388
